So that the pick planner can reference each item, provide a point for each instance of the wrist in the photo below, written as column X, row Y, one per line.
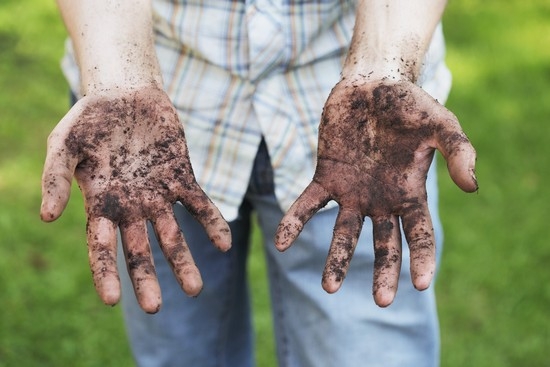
column 113, row 42
column 390, row 69
column 121, row 72
column 107, row 61
column 390, row 39
column 400, row 62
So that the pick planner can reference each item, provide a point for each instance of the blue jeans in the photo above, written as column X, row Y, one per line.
column 312, row 328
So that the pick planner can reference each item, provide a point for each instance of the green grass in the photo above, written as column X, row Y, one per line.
column 50, row 314
column 493, row 287
column 494, row 284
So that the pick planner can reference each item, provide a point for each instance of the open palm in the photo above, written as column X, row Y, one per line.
column 376, row 144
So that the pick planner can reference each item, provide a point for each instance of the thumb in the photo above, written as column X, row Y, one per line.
column 57, row 177
column 459, row 154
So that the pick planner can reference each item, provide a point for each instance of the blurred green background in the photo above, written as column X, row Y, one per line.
column 494, row 284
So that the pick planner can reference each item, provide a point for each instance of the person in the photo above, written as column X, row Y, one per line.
column 177, row 97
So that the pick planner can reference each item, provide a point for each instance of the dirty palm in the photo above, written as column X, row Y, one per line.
column 376, row 143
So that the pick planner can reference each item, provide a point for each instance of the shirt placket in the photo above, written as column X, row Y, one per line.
column 267, row 37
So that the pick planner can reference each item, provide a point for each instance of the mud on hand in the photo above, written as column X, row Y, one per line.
column 376, row 144
column 128, row 153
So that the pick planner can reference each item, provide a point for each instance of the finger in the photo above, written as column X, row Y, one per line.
column 419, row 233
column 56, row 179
column 459, row 154
column 387, row 259
column 102, row 247
column 177, row 253
column 310, row 201
column 344, row 240
column 140, row 265
column 209, row 216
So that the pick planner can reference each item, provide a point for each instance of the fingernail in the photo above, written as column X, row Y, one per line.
column 474, row 178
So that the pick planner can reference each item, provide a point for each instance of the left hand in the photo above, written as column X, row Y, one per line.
column 376, row 143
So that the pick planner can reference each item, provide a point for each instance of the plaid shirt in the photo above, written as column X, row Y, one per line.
column 240, row 70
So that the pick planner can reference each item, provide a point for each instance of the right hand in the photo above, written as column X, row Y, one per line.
column 128, row 153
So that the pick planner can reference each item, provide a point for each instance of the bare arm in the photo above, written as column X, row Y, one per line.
column 113, row 41
column 391, row 37
column 124, row 144
column 377, row 138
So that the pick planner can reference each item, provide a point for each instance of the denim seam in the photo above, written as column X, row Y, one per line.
column 277, row 306
column 224, row 316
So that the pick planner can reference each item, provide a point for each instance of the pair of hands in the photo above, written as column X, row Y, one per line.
column 128, row 153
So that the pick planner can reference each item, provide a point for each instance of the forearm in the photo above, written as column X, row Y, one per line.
column 113, row 41
column 391, row 37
